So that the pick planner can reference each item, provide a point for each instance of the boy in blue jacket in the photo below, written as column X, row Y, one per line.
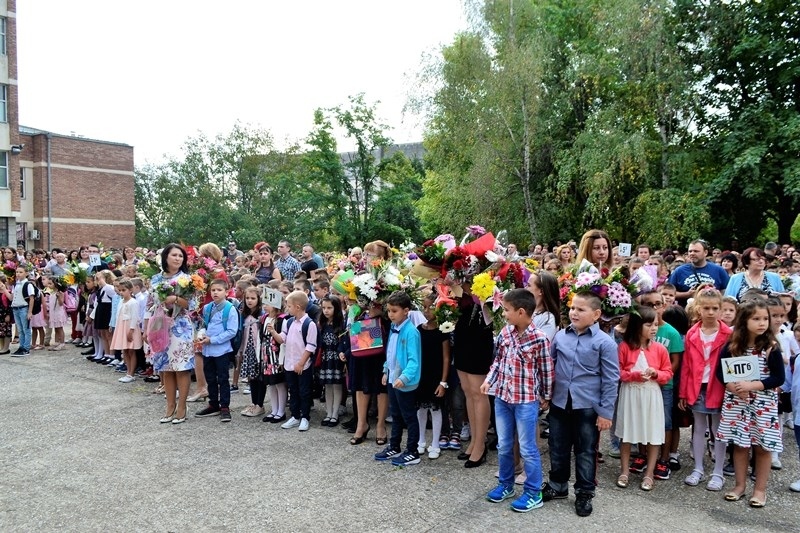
column 401, row 373
column 222, row 323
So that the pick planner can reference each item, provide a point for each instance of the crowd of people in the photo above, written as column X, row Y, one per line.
column 487, row 348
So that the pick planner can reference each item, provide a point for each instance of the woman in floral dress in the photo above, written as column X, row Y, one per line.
column 177, row 361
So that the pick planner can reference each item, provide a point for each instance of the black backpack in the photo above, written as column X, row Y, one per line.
column 37, row 297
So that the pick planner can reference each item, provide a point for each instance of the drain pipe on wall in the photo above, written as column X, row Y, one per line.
column 49, row 197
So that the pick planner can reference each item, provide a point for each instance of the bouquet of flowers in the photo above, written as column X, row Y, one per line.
column 62, row 283
column 148, row 267
column 788, row 283
column 446, row 310
column 615, row 291
column 10, row 269
column 78, row 274
column 182, row 286
column 431, row 253
column 376, row 284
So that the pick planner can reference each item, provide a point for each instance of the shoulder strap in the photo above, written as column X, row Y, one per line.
column 206, row 314
column 304, row 329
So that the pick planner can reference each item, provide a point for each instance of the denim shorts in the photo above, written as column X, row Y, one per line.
column 666, row 394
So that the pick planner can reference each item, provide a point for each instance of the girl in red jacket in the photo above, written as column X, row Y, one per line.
column 700, row 389
column 643, row 365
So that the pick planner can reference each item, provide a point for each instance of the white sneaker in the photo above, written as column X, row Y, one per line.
column 789, row 423
column 434, row 453
column 291, row 423
column 795, row 487
column 127, row 379
column 421, row 447
column 465, row 435
column 776, row 464
column 303, row 425
column 389, row 419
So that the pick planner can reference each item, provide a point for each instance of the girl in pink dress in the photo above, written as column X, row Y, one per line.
column 127, row 335
column 56, row 313
column 39, row 320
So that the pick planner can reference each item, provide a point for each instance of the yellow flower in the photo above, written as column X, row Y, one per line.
column 69, row 278
column 184, row 282
column 483, row 286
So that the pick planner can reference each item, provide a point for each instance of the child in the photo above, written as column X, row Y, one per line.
column 322, row 288
column 272, row 363
column 521, row 379
column 728, row 310
column 127, row 333
column 750, row 409
column 221, row 321
column 56, row 314
column 668, row 291
column 433, row 378
column 643, row 366
column 6, row 316
column 334, row 345
column 102, row 314
column 90, row 334
column 140, row 295
column 250, row 352
column 700, row 390
column 584, row 393
column 39, row 320
column 299, row 334
column 793, row 385
column 668, row 337
column 785, row 338
column 401, row 374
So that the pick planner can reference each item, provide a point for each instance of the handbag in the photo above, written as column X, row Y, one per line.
column 158, row 330
column 366, row 337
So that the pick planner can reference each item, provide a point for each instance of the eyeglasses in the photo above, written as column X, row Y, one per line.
column 657, row 305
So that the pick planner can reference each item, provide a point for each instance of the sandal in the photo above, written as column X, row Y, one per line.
column 647, row 484
column 715, row 483
column 694, row 478
column 758, row 504
column 381, row 441
column 734, row 496
column 159, row 390
column 622, row 481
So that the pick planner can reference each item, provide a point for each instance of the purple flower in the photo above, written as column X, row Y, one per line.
column 413, row 256
column 476, row 231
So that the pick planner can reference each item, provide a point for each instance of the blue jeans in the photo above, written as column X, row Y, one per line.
column 23, row 326
column 300, row 392
column 522, row 417
column 573, row 428
column 403, row 408
column 215, row 370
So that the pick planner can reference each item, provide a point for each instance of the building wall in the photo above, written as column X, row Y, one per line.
column 9, row 136
column 90, row 191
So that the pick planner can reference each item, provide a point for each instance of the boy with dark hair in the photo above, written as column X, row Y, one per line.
column 584, row 393
column 401, row 374
column 521, row 379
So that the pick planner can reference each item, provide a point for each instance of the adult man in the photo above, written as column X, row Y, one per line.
column 512, row 254
column 93, row 249
column 643, row 252
column 232, row 253
column 310, row 261
column 696, row 272
column 288, row 265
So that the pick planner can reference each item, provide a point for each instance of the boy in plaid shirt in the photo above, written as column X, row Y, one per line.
column 521, row 379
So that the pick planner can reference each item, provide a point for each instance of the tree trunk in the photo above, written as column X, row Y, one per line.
column 787, row 213
column 525, row 175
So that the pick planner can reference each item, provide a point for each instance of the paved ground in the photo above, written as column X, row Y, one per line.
column 81, row 452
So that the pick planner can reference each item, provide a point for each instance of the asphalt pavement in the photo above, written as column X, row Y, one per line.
column 81, row 452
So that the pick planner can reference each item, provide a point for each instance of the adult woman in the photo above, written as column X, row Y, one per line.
column 357, row 258
column 9, row 254
column 266, row 270
column 83, row 255
column 73, row 258
column 730, row 263
column 564, row 255
column 595, row 248
column 473, row 351
column 754, row 260
column 176, row 362
column 377, row 250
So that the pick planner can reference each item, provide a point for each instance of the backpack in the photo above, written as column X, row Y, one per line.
column 71, row 300
column 303, row 328
column 236, row 341
column 37, row 297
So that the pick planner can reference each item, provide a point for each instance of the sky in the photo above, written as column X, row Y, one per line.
column 154, row 73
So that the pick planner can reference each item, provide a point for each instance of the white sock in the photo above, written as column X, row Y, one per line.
column 422, row 418
column 436, row 422
column 338, row 392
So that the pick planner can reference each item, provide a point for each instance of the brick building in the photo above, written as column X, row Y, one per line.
column 57, row 190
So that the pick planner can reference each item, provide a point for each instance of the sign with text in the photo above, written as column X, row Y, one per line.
column 624, row 249
column 743, row 368
column 272, row 297
column 94, row 260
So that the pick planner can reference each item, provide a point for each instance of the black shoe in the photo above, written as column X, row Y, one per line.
column 549, row 493
column 224, row 415
column 276, row 419
column 19, row 351
column 474, row 464
column 583, row 505
column 350, row 424
column 88, row 352
column 207, row 411
column 5, row 352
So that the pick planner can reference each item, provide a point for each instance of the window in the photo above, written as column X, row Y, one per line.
column 3, row 232
column 3, row 103
column 3, row 170
column 22, row 182
column 3, row 35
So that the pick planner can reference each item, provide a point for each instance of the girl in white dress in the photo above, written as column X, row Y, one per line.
column 643, row 365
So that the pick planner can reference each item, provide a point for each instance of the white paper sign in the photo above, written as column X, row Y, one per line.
column 743, row 368
column 624, row 249
column 94, row 260
column 272, row 297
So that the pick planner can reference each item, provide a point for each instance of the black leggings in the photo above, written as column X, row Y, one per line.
column 258, row 391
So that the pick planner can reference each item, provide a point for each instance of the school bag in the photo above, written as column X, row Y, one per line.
column 37, row 297
column 70, row 300
column 236, row 341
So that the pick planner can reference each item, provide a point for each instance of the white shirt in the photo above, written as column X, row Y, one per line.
column 19, row 299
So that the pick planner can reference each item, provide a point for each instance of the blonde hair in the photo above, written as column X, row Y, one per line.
column 211, row 250
column 379, row 248
column 107, row 275
column 299, row 298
